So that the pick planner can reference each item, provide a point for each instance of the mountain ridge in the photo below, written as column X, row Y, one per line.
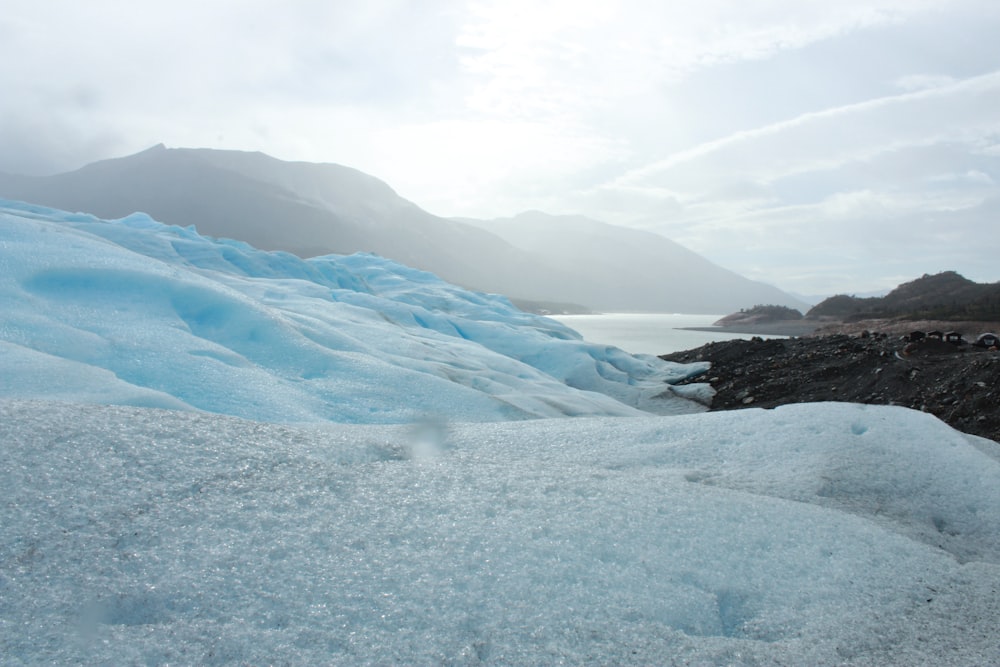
column 560, row 237
column 313, row 209
column 942, row 296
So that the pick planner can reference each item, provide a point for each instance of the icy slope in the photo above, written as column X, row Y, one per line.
column 139, row 313
column 827, row 534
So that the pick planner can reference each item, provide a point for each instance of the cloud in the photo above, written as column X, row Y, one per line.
column 696, row 117
column 190, row 73
column 863, row 239
column 972, row 177
column 913, row 82
column 59, row 142
column 572, row 57
column 827, row 139
column 518, row 155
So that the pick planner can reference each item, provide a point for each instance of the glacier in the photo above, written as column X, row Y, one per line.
column 831, row 534
column 159, row 316
column 214, row 455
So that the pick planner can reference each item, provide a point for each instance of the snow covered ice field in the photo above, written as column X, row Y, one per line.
column 139, row 313
column 819, row 535
column 359, row 464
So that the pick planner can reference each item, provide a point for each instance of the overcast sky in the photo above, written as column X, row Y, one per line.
column 820, row 146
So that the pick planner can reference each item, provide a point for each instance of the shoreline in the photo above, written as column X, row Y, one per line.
column 790, row 329
column 798, row 328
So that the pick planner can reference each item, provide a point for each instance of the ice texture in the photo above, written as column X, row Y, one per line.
column 135, row 312
column 214, row 455
column 827, row 534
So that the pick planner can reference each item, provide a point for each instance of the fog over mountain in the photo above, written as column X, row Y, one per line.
column 628, row 268
column 315, row 209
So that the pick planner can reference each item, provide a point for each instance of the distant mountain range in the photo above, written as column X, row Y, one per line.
column 316, row 209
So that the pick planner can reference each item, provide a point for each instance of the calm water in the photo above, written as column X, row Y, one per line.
column 645, row 333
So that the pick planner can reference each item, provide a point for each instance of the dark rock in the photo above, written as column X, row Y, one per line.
column 956, row 383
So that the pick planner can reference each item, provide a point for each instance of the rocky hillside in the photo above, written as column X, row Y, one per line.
column 944, row 296
column 959, row 384
column 760, row 314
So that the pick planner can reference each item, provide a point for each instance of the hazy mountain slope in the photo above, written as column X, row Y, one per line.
column 180, row 188
column 631, row 269
column 315, row 209
column 384, row 222
column 307, row 209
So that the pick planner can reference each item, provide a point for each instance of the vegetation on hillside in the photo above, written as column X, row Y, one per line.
column 944, row 296
column 760, row 314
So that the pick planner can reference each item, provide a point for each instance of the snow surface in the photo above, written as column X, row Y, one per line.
column 139, row 313
column 808, row 535
column 414, row 515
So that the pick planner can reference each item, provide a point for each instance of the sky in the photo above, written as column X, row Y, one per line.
column 821, row 147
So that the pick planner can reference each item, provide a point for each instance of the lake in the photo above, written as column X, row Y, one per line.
column 648, row 333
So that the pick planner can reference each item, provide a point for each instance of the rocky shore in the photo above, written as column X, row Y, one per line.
column 775, row 328
column 960, row 384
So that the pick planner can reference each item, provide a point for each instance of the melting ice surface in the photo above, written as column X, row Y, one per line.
column 136, row 312
column 463, row 534
column 808, row 535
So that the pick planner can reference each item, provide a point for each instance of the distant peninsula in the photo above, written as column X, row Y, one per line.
column 764, row 320
column 945, row 300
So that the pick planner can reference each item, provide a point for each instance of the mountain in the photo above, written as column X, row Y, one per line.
column 302, row 208
column 316, row 209
column 942, row 296
column 629, row 269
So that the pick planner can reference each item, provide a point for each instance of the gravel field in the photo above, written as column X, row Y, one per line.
column 959, row 384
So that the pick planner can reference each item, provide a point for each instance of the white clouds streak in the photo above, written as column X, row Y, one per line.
column 560, row 54
column 962, row 112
